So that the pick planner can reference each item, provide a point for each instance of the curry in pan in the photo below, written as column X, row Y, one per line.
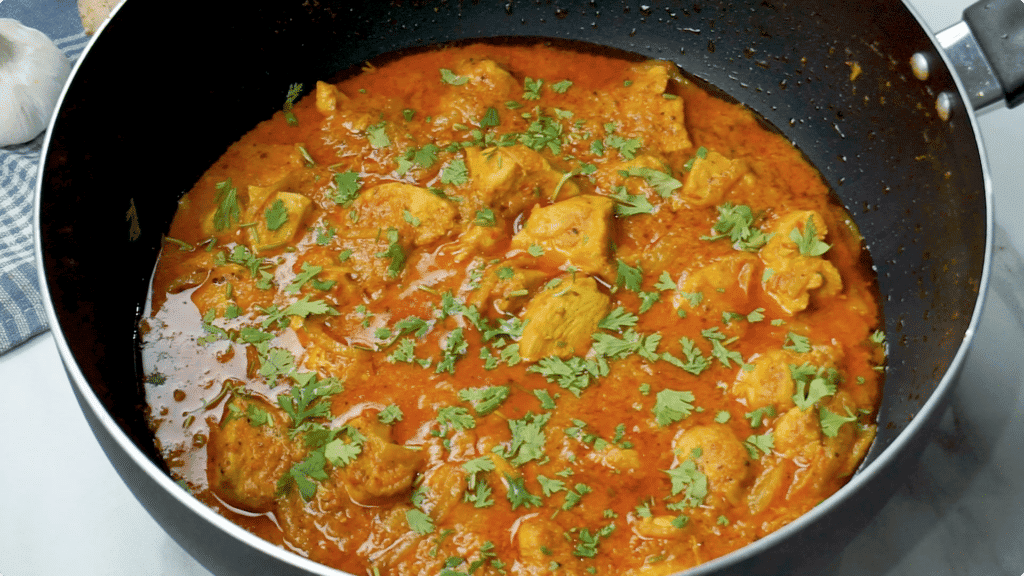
column 499, row 309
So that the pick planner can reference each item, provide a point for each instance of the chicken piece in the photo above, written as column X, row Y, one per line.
column 504, row 177
column 801, row 436
column 276, row 214
column 795, row 275
column 416, row 213
column 709, row 179
column 505, row 286
column 723, row 459
column 326, row 355
column 661, row 118
column 771, row 383
column 444, row 486
column 486, row 84
column 477, row 240
column 327, row 96
column 561, row 319
column 576, row 232
column 658, row 527
column 724, row 285
column 383, row 469
column 541, row 542
column 248, row 452
column 389, row 538
column 615, row 458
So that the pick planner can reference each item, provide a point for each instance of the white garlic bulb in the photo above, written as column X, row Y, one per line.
column 32, row 74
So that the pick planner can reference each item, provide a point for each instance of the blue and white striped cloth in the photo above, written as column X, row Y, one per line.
column 21, row 306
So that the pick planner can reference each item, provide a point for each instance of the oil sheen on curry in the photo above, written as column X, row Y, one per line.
column 512, row 310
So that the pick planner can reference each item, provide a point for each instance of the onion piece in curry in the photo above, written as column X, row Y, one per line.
column 512, row 309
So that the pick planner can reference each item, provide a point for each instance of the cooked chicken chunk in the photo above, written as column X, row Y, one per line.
column 576, row 232
column 723, row 459
column 794, row 275
column 561, row 319
column 248, row 452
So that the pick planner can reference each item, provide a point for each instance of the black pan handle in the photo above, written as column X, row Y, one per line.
column 987, row 51
column 999, row 28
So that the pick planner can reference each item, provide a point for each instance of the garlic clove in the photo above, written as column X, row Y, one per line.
column 32, row 74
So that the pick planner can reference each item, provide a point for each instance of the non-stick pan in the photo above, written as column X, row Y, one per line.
column 897, row 142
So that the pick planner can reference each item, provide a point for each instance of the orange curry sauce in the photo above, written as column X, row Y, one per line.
column 512, row 310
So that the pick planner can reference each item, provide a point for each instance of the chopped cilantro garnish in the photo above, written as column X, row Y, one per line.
column 758, row 415
column 628, row 276
column 517, row 493
column 689, row 481
column 303, row 475
column 307, row 274
column 394, row 253
column 830, row 421
column 626, row 147
column 490, row 118
column 797, row 343
column 737, row 224
column 812, row 384
column 455, row 173
column 228, row 210
column 663, row 183
column 449, row 77
column 377, row 135
column 293, row 93
column 484, row 217
column 419, row 522
column 390, row 414
column 348, row 187
column 485, row 400
column 808, row 242
column 454, row 348
column 764, row 443
column 531, row 88
column 627, row 204
column 527, row 439
column 672, row 406
column 618, row 319
column 561, row 87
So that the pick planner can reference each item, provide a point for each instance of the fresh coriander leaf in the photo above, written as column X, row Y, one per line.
column 485, row 400
column 484, row 217
column 449, row 77
column 628, row 276
column 812, row 384
column 390, row 414
column 627, row 204
column 228, row 211
column 672, row 406
column 408, row 217
column 341, row 453
column 293, row 94
column 830, row 421
column 377, row 135
column 561, row 87
column 626, row 147
column 756, row 316
column 394, row 253
column 517, row 493
column 665, row 282
column 764, row 442
column 797, row 343
column 722, row 416
column 618, row 319
column 454, row 348
column 455, row 173
column 531, row 88
column 647, row 300
column 808, row 242
column 454, row 417
column 536, row 250
column 304, row 475
column 546, row 401
column 550, row 486
column 737, row 224
column 307, row 274
column 758, row 415
column 408, row 114
column 663, row 183
column 689, row 481
column 702, row 153
column 348, row 185
column 490, row 119
column 527, row 439
column 419, row 522
column 574, row 374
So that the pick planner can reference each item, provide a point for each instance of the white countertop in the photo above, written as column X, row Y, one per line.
column 64, row 511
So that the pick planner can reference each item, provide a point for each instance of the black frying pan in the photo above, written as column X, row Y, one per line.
column 129, row 137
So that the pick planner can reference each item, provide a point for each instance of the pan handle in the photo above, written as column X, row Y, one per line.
column 987, row 51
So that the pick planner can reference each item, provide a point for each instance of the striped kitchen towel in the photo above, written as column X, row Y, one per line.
column 21, row 306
